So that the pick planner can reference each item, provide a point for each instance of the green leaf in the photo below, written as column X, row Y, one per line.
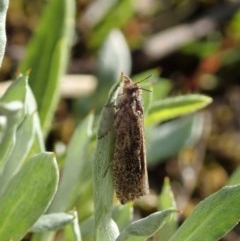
column 176, row 106
column 96, row 11
column 114, row 48
column 17, row 90
column 74, row 167
column 115, row 18
column 102, row 175
column 166, row 200
column 144, row 228
column 72, row 231
column 31, row 106
column 108, row 71
column 76, row 228
column 169, row 138
column 53, row 221
column 212, row 218
column 107, row 230
column 161, row 89
column 87, row 227
column 47, row 55
column 122, row 215
column 49, row 100
column 21, row 148
column 12, row 113
column 20, row 90
column 27, row 196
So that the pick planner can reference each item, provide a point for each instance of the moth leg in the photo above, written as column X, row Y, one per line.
column 109, row 164
column 109, row 106
column 107, row 131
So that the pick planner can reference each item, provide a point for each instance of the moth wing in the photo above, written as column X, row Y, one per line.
column 129, row 164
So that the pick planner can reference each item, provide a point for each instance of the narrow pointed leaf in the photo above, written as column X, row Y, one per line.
column 21, row 148
column 102, row 175
column 107, row 230
column 76, row 227
column 123, row 215
column 53, row 221
column 212, row 218
column 31, row 106
column 176, row 106
column 17, row 90
column 144, row 228
column 27, row 196
column 166, row 200
column 115, row 47
column 47, row 55
column 12, row 113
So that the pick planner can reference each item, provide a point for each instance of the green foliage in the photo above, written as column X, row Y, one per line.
column 22, row 202
column 176, row 106
column 102, row 178
column 53, row 221
column 75, row 166
column 114, row 47
column 47, row 56
column 166, row 200
column 27, row 184
column 31, row 199
column 211, row 218
column 172, row 137
column 144, row 228
column 121, row 12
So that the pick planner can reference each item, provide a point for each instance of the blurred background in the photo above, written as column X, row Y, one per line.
column 190, row 46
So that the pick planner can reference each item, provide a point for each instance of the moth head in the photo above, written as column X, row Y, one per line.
column 129, row 87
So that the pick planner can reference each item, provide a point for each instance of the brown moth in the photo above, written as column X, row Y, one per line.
column 129, row 160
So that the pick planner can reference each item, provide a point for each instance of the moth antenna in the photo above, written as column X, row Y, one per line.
column 145, row 89
column 125, row 76
column 143, row 79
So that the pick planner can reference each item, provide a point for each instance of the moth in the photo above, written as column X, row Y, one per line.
column 129, row 159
